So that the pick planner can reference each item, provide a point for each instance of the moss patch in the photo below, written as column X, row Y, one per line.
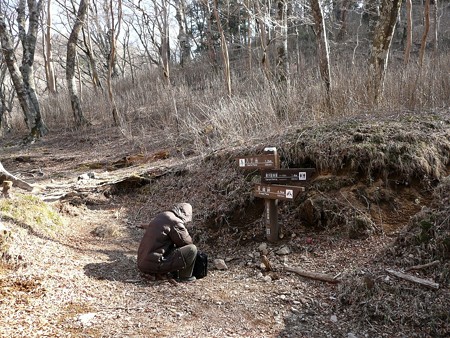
column 30, row 212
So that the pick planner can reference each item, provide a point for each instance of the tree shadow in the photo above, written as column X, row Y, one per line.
column 120, row 267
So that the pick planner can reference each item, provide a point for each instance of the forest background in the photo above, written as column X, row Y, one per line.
column 210, row 71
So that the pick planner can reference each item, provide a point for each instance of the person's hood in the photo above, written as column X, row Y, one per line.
column 183, row 211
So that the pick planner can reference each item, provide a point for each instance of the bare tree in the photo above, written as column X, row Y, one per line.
column 322, row 47
column 224, row 47
column 48, row 53
column 71, row 64
column 408, row 31
column 163, row 20
column 5, row 102
column 144, row 27
column 264, row 41
column 435, row 25
column 114, row 33
column 382, row 38
column 282, row 65
column 23, row 78
column 342, row 18
column 88, row 50
column 426, row 29
column 183, row 32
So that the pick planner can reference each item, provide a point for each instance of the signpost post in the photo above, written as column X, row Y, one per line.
column 271, row 224
column 273, row 185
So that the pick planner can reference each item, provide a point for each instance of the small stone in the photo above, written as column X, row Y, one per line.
column 334, row 319
column 220, row 264
column 86, row 318
column 83, row 177
column 350, row 335
column 262, row 247
column 267, row 279
column 284, row 250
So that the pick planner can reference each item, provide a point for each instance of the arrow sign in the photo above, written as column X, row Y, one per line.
column 277, row 192
column 292, row 175
column 256, row 162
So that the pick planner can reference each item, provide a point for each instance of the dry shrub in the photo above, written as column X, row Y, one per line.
column 374, row 297
column 427, row 236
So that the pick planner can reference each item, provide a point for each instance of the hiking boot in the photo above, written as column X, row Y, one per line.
column 186, row 279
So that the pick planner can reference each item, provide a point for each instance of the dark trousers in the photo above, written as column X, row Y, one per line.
column 189, row 253
column 181, row 260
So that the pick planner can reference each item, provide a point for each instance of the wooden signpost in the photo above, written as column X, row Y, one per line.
column 273, row 186
column 277, row 192
column 291, row 176
column 258, row 162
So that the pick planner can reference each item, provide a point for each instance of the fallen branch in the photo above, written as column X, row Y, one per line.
column 266, row 263
column 313, row 275
column 17, row 182
column 414, row 279
column 422, row 266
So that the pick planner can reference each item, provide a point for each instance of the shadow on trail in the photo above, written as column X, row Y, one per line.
column 120, row 267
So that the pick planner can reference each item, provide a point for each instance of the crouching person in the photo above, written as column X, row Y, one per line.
column 167, row 246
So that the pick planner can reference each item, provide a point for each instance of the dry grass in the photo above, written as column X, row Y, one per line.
column 196, row 109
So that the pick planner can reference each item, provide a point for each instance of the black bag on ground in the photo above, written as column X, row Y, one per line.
column 200, row 265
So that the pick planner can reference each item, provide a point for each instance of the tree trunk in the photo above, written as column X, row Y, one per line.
column 165, row 48
column 382, row 38
column 282, row 64
column 209, row 35
column 24, row 89
column 408, row 31
column 343, row 20
column 372, row 13
column 16, row 181
column 265, row 60
column 112, row 58
column 426, row 29
column 249, row 37
column 75, row 101
column 224, row 47
column 49, row 68
column 5, row 107
column 435, row 26
column 322, row 47
column 183, row 35
column 87, row 40
column 28, row 39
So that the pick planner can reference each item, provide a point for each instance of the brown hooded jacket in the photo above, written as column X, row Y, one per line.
column 164, row 233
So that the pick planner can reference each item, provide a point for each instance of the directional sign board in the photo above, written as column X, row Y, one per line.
column 277, row 192
column 299, row 176
column 258, row 162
